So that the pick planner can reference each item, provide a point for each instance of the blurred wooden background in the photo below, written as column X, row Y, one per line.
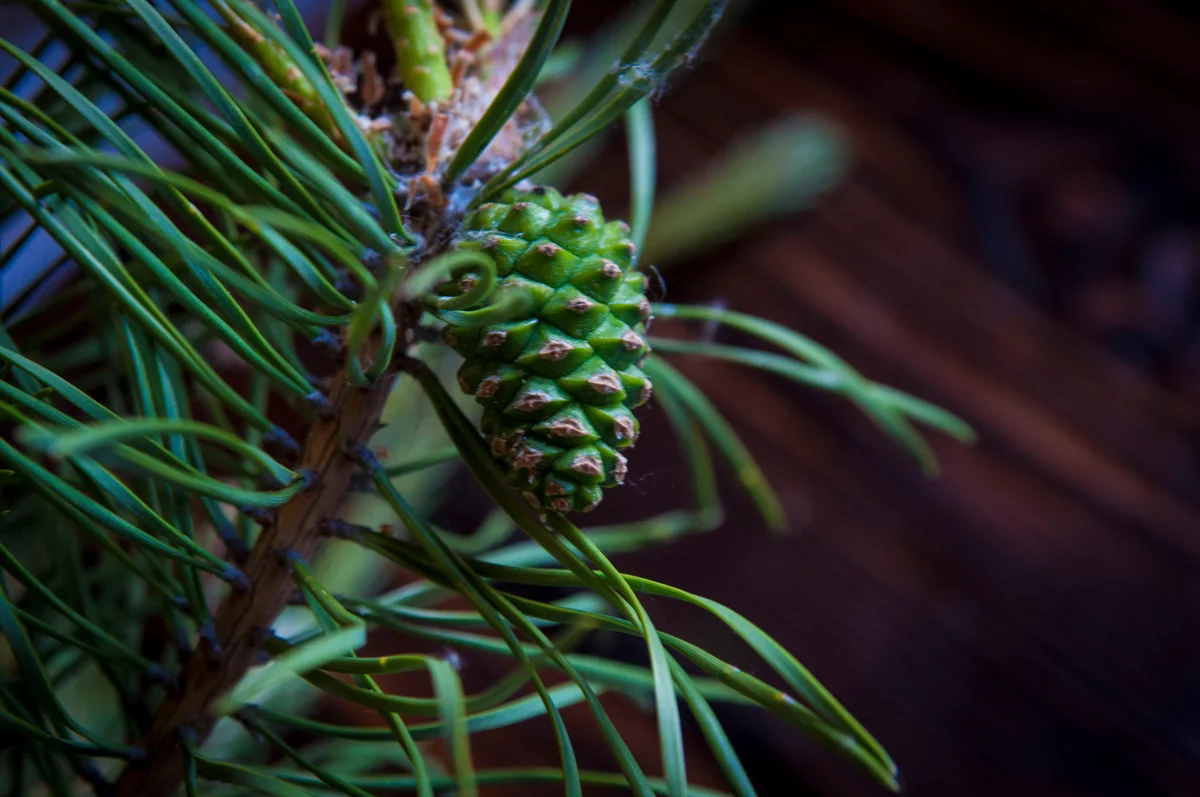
column 1019, row 240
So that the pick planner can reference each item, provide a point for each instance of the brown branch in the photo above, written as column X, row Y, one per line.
column 209, row 675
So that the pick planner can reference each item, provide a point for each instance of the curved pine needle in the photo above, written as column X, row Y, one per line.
column 290, row 226
column 480, row 268
column 502, row 716
column 305, row 59
column 432, row 459
column 824, row 379
column 632, row 81
column 497, row 616
column 514, row 91
column 708, row 513
column 745, row 469
column 484, row 468
column 298, row 659
column 326, row 777
column 499, row 777
column 639, row 129
column 81, row 441
column 888, row 415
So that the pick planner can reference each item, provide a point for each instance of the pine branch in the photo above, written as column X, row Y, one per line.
column 288, row 226
column 245, row 618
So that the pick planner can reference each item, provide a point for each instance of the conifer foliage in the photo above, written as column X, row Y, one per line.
column 259, row 249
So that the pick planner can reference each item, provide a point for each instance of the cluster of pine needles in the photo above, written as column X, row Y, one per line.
column 200, row 364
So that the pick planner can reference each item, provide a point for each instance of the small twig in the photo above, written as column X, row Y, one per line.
column 347, row 418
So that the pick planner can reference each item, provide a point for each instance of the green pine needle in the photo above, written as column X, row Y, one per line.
column 170, row 556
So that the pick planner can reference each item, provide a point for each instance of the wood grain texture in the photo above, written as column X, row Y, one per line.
column 1027, row 623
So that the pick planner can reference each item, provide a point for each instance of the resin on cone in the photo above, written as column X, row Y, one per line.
column 559, row 384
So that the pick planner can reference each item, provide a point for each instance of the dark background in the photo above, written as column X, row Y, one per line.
column 1018, row 240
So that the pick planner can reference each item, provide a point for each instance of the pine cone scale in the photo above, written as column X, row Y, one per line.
column 558, row 387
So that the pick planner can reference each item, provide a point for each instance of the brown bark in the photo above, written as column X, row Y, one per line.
column 208, row 674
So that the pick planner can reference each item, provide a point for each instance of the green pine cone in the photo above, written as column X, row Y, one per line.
column 558, row 385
